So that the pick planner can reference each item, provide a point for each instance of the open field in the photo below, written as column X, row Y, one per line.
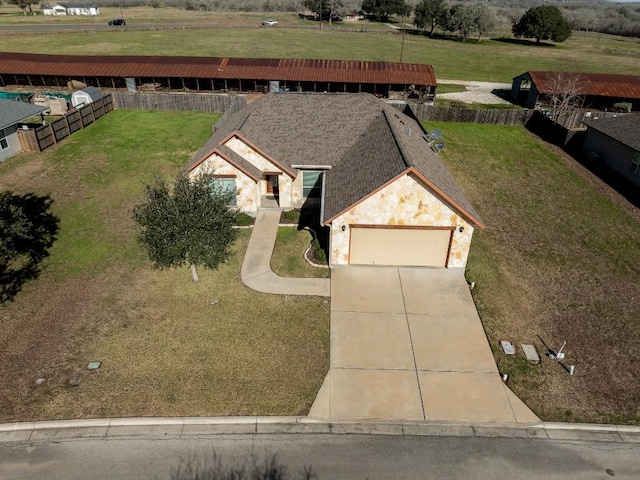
column 558, row 259
column 166, row 350
column 240, row 35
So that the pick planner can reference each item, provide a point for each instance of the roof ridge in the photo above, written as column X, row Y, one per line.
column 396, row 136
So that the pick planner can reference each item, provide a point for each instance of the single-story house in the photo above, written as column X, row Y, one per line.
column 616, row 142
column 590, row 90
column 70, row 9
column 382, row 192
column 353, row 16
column 12, row 113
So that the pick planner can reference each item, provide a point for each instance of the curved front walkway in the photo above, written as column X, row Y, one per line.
column 256, row 270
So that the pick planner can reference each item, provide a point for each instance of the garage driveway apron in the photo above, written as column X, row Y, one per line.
column 407, row 344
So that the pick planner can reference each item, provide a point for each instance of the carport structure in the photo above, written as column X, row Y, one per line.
column 217, row 74
column 591, row 90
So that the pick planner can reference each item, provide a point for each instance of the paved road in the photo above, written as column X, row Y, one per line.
column 331, row 457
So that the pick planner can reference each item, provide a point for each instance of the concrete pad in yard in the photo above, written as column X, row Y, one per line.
column 448, row 343
column 388, row 394
column 366, row 289
column 469, row 397
column 436, row 291
column 370, row 340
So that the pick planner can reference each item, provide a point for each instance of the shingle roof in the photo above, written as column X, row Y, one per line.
column 624, row 128
column 367, row 142
column 597, row 84
column 12, row 112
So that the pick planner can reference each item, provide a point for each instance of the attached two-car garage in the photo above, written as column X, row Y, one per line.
column 402, row 246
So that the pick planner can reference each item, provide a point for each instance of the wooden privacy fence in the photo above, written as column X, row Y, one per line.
column 497, row 116
column 201, row 102
column 38, row 139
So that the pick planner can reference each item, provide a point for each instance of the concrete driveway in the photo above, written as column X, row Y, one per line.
column 407, row 343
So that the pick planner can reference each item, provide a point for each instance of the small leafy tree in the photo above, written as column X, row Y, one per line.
column 383, row 9
column 325, row 9
column 484, row 19
column 27, row 231
column 25, row 5
column 428, row 13
column 543, row 23
column 191, row 225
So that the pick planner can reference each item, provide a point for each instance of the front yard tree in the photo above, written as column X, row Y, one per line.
column 543, row 23
column 383, row 9
column 191, row 225
column 427, row 14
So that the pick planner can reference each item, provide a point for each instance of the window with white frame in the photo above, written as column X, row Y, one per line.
column 227, row 185
column 4, row 143
column 635, row 163
column 311, row 184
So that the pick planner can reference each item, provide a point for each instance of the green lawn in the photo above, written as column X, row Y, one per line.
column 558, row 259
column 287, row 259
column 239, row 35
column 166, row 350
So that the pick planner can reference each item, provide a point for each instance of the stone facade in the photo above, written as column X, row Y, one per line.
column 406, row 201
column 248, row 194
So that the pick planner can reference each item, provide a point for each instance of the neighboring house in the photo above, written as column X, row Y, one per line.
column 591, row 90
column 12, row 113
column 616, row 142
column 71, row 9
column 353, row 16
column 384, row 194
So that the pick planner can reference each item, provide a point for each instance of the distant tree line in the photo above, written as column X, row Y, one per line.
column 464, row 17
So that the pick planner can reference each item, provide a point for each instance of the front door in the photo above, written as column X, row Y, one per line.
column 272, row 185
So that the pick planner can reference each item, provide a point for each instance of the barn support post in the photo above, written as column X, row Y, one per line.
column 29, row 80
column 240, row 84
column 184, row 87
column 42, row 78
column 15, row 79
column 212, row 86
column 226, row 87
column 98, row 82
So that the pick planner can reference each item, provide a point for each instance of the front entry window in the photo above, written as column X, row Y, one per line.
column 226, row 185
column 311, row 184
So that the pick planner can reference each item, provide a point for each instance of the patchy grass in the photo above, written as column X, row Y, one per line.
column 166, row 349
column 234, row 34
column 287, row 259
column 559, row 260
column 450, row 88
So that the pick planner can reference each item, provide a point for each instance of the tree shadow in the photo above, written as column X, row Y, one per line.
column 310, row 220
column 523, row 41
column 27, row 231
column 213, row 468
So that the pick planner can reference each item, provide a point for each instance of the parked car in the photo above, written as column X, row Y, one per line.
column 269, row 23
column 117, row 21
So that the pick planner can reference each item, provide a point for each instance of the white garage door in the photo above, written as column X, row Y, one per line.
column 399, row 246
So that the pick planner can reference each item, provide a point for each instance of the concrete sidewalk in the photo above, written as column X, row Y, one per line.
column 177, row 427
column 256, row 270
